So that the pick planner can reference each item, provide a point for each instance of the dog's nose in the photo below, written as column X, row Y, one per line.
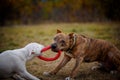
column 54, row 45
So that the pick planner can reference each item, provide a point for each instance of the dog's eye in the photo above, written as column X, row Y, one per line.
column 62, row 41
column 55, row 38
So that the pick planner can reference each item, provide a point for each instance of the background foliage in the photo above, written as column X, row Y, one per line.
column 35, row 11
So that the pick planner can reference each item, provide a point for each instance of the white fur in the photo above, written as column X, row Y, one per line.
column 46, row 74
column 12, row 62
column 69, row 78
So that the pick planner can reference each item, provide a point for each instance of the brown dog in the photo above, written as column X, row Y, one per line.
column 85, row 49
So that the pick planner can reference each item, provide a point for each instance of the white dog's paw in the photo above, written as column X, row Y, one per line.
column 94, row 68
column 69, row 78
column 46, row 74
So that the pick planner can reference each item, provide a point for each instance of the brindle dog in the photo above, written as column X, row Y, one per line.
column 85, row 49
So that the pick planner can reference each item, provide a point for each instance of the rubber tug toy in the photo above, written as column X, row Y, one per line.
column 49, row 59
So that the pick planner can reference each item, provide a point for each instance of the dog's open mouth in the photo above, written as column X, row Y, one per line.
column 55, row 50
column 54, row 47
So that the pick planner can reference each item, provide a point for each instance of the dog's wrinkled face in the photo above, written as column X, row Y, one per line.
column 34, row 49
column 60, row 42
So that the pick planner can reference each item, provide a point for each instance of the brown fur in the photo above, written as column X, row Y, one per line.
column 87, row 50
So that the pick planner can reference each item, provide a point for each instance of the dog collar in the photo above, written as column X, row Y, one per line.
column 69, row 50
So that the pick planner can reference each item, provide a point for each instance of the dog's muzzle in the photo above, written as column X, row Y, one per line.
column 54, row 47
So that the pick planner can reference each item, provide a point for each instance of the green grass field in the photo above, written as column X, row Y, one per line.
column 19, row 36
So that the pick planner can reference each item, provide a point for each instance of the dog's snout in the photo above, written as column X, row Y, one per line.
column 54, row 45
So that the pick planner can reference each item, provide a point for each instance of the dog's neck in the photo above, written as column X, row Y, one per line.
column 26, row 54
column 23, row 53
column 72, row 44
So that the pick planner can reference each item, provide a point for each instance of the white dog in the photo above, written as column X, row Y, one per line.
column 12, row 62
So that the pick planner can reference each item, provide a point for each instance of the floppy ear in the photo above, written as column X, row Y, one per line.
column 58, row 31
column 71, row 35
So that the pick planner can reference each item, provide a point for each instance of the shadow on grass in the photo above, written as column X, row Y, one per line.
column 97, row 75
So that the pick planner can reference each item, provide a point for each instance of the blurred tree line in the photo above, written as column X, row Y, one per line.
column 36, row 11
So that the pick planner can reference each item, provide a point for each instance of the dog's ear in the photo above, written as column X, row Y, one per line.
column 58, row 31
column 71, row 35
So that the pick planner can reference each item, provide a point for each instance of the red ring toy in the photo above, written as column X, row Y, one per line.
column 49, row 59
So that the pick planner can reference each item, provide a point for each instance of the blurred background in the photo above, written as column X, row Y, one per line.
column 25, row 21
column 36, row 11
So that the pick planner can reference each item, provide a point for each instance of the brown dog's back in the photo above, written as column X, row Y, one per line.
column 104, row 52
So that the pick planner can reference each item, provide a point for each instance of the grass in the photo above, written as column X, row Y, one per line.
column 18, row 36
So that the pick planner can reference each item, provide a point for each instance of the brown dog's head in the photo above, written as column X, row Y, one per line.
column 61, row 41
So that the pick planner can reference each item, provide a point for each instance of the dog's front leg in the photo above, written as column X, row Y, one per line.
column 17, row 77
column 64, row 61
column 75, row 69
column 28, row 76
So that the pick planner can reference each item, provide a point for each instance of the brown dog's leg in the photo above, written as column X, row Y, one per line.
column 76, row 67
column 64, row 61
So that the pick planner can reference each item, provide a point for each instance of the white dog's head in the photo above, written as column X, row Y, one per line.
column 34, row 49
